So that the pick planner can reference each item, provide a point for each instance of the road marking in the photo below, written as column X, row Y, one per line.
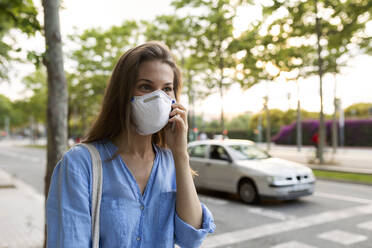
column 270, row 213
column 343, row 198
column 293, row 244
column 253, row 210
column 366, row 225
column 342, row 237
column 222, row 240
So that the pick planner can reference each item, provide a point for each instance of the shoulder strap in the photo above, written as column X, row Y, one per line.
column 96, row 191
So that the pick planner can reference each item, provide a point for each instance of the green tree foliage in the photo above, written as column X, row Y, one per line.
column 178, row 33
column 95, row 56
column 358, row 110
column 247, row 52
column 212, row 126
column 240, row 122
column 36, row 104
column 5, row 109
column 315, row 37
column 290, row 39
column 15, row 14
column 20, row 111
column 214, row 35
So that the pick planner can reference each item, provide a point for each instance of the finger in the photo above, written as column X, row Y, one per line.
column 178, row 105
column 177, row 120
column 177, row 111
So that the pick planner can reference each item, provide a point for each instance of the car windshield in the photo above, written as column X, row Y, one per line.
column 243, row 152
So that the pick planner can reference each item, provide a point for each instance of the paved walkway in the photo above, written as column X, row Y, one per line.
column 21, row 214
column 348, row 159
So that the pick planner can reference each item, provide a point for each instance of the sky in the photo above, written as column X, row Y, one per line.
column 354, row 83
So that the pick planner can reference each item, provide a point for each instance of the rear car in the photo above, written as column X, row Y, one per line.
column 239, row 166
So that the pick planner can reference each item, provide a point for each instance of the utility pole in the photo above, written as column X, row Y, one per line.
column 342, row 124
column 298, row 122
column 259, row 138
column 320, row 71
column 268, row 128
column 334, row 121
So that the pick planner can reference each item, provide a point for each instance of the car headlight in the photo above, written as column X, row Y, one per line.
column 273, row 179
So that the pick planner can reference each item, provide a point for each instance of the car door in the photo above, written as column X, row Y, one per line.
column 219, row 170
column 198, row 161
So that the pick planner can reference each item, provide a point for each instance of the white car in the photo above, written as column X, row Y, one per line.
column 239, row 166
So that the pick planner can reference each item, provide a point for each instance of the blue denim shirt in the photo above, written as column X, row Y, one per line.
column 127, row 218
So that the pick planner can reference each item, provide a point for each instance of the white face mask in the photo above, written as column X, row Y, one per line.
column 150, row 112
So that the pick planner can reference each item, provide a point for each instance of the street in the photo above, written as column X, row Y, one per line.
column 337, row 215
column 26, row 164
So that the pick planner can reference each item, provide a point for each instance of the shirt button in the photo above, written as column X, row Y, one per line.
column 142, row 207
column 138, row 238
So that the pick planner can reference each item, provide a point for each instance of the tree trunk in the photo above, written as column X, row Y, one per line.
column 220, row 84
column 320, row 71
column 191, row 112
column 221, row 95
column 57, row 90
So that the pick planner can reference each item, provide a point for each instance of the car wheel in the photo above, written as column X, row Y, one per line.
column 248, row 192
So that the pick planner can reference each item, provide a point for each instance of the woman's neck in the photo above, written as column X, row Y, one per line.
column 137, row 145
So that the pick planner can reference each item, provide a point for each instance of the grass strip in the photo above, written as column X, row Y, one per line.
column 36, row 146
column 343, row 176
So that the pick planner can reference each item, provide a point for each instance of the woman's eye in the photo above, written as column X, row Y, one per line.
column 167, row 89
column 144, row 87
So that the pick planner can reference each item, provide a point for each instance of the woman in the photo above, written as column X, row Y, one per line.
column 141, row 135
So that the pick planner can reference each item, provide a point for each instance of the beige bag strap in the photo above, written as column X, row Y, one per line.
column 96, row 191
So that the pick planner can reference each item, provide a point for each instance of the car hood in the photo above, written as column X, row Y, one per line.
column 274, row 166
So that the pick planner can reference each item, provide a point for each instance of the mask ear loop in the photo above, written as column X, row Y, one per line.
column 173, row 124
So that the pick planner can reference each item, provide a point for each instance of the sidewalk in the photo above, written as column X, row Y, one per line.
column 347, row 159
column 21, row 214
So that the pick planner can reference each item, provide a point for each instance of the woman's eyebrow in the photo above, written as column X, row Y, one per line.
column 151, row 82
column 144, row 79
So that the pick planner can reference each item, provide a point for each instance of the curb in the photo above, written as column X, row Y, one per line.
column 341, row 169
column 8, row 181
column 343, row 181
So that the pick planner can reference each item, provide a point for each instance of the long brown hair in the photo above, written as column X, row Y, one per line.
column 114, row 117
